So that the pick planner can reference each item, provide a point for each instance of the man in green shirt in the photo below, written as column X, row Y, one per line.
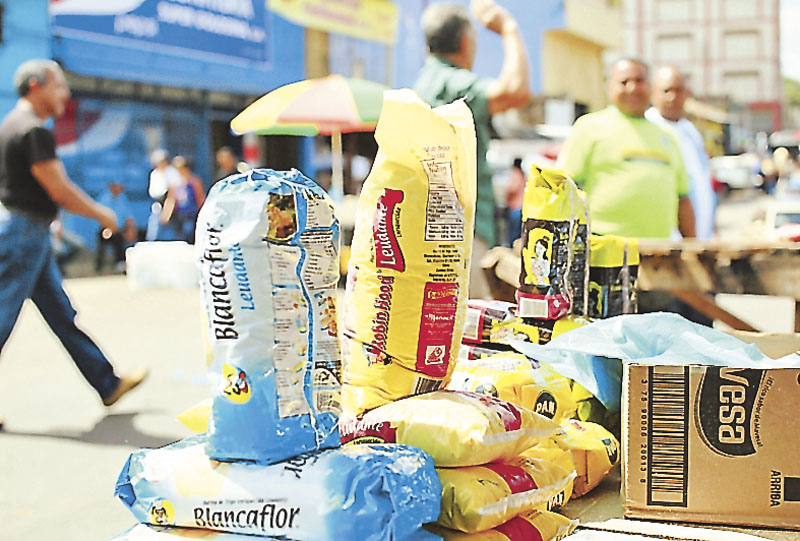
column 630, row 168
column 447, row 76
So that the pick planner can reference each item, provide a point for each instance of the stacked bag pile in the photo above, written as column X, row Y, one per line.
column 405, row 308
column 270, row 463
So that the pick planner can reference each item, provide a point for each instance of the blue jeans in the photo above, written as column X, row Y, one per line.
column 28, row 270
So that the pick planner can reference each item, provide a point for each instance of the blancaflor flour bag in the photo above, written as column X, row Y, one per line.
column 268, row 247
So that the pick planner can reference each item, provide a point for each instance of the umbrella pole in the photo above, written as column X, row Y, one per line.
column 337, row 166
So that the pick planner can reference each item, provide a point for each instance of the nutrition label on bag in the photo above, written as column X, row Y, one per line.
column 321, row 265
column 444, row 218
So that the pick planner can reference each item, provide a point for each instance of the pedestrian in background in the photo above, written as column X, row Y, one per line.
column 227, row 162
column 33, row 185
column 515, row 196
column 447, row 76
column 183, row 202
column 669, row 96
column 630, row 168
column 114, row 198
column 162, row 178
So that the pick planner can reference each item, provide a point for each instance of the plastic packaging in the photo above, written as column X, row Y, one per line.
column 456, row 428
column 550, row 212
column 512, row 377
column 145, row 532
column 268, row 248
column 614, row 269
column 409, row 263
column 595, row 452
column 532, row 526
column 481, row 497
column 371, row 492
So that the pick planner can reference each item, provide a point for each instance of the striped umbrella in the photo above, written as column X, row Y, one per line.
column 329, row 105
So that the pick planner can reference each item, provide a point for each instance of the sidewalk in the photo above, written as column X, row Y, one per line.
column 61, row 449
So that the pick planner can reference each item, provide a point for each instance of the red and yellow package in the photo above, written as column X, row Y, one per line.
column 455, row 428
column 532, row 526
column 512, row 377
column 481, row 497
column 547, row 450
column 595, row 452
column 409, row 264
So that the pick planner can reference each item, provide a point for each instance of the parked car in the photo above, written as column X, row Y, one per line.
column 739, row 172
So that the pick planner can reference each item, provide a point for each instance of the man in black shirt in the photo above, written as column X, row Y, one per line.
column 33, row 186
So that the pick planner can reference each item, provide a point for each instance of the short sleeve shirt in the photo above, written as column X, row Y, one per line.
column 24, row 141
column 631, row 170
column 440, row 83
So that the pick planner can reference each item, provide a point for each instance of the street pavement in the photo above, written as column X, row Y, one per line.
column 62, row 450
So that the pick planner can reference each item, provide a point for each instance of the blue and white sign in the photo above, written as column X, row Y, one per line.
column 234, row 29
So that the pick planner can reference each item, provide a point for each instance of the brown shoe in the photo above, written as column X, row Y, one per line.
column 126, row 382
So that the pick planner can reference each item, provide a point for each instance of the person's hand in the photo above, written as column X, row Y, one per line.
column 492, row 16
column 107, row 220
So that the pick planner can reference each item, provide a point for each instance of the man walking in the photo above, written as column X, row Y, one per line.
column 447, row 76
column 33, row 186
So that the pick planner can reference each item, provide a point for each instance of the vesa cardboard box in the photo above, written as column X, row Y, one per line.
column 712, row 445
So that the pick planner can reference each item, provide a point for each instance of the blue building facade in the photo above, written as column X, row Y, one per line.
column 149, row 74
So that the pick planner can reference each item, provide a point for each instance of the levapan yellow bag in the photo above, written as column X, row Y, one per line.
column 455, row 428
column 532, row 526
column 512, row 377
column 409, row 264
column 595, row 452
column 481, row 497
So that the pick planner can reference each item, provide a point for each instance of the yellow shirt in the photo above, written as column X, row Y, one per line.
column 631, row 170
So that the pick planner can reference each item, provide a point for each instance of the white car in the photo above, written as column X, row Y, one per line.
column 782, row 220
column 737, row 172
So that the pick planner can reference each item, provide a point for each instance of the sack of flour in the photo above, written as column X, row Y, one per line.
column 268, row 247
column 409, row 264
column 370, row 492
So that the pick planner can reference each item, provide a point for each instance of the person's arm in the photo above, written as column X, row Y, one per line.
column 199, row 191
column 686, row 218
column 511, row 88
column 67, row 195
column 169, row 206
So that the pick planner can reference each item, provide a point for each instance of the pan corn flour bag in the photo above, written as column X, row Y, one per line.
column 409, row 263
column 268, row 247
column 482, row 497
column 531, row 526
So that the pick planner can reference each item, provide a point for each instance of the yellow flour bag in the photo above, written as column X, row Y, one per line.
column 481, row 497
column 456, row 428
column 409, row 264
column 595, row 452
column 613, row 272
column 512, row 377
column 550, row 214
column 548, row 450
column 532, row 526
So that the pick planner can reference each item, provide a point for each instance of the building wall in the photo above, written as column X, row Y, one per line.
column 728, row 48
column 25, row 36
column 573, row 68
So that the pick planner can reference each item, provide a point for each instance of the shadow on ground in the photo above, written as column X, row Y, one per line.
column 113, row 429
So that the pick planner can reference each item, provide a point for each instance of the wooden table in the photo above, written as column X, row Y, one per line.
column 692, row 271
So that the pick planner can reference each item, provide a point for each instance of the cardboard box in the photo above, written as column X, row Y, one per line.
column 712, row 445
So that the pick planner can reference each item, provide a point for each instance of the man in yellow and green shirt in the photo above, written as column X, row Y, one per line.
column 630, row 168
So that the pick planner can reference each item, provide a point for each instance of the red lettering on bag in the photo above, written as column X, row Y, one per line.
column 387, row 249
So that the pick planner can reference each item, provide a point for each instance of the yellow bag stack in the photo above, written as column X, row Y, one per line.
column 409, row 266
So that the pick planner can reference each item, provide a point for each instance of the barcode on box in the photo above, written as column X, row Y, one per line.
column 667, row 448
